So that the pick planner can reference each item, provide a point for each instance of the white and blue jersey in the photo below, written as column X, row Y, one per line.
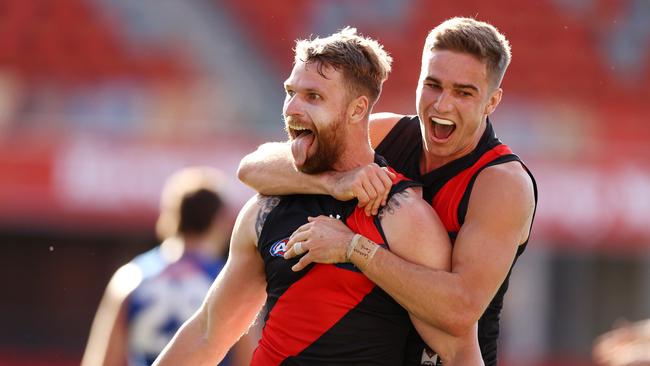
column 168, row 294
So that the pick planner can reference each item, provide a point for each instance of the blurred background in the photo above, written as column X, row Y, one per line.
column 100, row 100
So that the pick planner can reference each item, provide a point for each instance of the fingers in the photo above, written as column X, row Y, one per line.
column 390, row 174
column 302, row 263
column 361, row 195
column 381, row 192
column 301, row 235
column 387, row 181
column 318, row 218
column 371, row 192
column 301, row 229
column 298, row 248
column 377, row 187
column 368, row 186
column 297, row 237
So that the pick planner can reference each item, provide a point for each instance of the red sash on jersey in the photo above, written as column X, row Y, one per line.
column 448, row 198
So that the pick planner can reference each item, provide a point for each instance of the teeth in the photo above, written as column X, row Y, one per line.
column 441, row 121
column 298, row 128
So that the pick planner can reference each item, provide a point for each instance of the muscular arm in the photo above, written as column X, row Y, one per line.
column 270, row 171
column 499, row 215
column 231, row 304
column 416, row 234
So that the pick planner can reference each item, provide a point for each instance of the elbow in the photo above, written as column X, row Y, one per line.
column 244, row 171
column 459, row 328
column 247, row 169
column 251, row 164
column 460, row 323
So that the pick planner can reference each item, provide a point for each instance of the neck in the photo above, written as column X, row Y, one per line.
column 356, row 151
column 200, row 244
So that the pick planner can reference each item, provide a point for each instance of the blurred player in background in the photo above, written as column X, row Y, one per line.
column 149, row 298
column 627, row 345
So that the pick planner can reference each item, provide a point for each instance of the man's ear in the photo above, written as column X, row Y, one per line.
column 358, row 109
column 494, row 101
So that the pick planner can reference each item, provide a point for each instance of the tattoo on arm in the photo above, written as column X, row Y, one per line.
column 394, row 203
column 268, row 203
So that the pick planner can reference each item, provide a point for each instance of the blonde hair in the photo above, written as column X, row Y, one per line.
column 479, row 39
column 363, row 61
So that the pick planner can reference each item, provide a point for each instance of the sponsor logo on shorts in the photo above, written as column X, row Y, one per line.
column 278, row 249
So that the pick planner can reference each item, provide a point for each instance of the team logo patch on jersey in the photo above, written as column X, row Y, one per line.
column 278, row 249
column 429, row 357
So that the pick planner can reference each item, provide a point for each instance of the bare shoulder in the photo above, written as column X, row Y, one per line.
column 265, row 204
column 509, row 178
column 385, row 117
column 414, row 231
column 380, row 125
column 124, row 281
column 504, row 193
column 406, row 205
column 253, row 215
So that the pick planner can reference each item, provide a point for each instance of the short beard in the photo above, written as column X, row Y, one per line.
column 328, row 151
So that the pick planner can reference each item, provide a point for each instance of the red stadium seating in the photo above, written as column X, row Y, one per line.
column 557, row 55
column 69, row 41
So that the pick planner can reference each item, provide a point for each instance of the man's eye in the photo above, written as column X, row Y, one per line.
column 314, row 96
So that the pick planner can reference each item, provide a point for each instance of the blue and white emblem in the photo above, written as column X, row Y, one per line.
column 278, row 249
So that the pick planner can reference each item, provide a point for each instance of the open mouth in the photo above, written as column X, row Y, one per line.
column 302, row 143
column 298, row 131
column 442, row 128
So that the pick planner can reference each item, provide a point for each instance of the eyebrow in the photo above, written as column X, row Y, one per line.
column 455, row 85
column 304, row 90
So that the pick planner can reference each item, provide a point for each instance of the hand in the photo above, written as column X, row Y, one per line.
column 324, row 239
column 626, row 345
column 370, row 184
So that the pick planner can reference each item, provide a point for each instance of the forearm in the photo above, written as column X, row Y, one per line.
column 270, row 171
column 192, row 345
column 454, row 351
column 229, row 311
column 242, row 351
column 433, row 296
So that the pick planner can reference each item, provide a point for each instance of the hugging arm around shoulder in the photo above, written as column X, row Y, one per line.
column 269, row 170
column 419, row 245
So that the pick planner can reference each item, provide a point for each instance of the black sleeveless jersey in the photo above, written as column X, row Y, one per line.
column 448, row 189
column 326, row 314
